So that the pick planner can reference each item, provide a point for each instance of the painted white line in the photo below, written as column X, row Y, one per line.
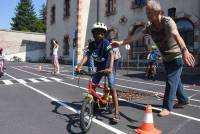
column 56, row 79
column 194, row 105
column 110, row 128
column 69, row 76
column 154, row 92
column 147, row 83
column 21, row 81
column 195, row 100
column 7, row 82
column 44, row 79
column 28, row 72
column 34, row 80
column 173, row 113
column 193, row 95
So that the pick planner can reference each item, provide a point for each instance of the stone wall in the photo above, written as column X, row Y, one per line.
column 25, row 45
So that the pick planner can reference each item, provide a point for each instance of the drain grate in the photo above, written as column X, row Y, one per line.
column 132, row 94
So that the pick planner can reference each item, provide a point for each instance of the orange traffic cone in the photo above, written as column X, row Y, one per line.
column 147, row 126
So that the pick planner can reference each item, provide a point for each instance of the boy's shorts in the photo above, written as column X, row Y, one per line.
column 110, row 78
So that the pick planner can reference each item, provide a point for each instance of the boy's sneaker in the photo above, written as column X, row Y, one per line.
column 116, row 118
column 164, row 112
column 181, row 104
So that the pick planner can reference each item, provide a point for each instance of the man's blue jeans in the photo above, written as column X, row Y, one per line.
column 174, row 87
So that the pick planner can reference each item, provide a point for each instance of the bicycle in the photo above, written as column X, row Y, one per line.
column 93, row 101
column 151, row 71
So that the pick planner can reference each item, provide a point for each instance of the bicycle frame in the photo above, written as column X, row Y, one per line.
column 92, row 95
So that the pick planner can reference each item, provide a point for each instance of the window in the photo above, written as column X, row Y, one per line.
column 140, row 3
column 172, row 13
column 186, row 29
column 53, row 14
column 66, row 45
column 111, row 7
column 139, row 48
column 66, row 8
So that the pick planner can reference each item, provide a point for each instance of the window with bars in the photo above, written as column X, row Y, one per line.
column 186, row 30
column 138, row 3
column 111, row 7
column 172, row 13
column 66, row 46
column 66, row 9
column 53, row 14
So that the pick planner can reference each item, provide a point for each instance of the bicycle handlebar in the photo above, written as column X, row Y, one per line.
column 83, row 72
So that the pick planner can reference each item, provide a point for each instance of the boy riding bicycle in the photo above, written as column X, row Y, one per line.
column 152, row 61
column 102, row 54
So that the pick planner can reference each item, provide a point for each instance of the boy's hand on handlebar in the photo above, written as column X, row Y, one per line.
column 78, row 69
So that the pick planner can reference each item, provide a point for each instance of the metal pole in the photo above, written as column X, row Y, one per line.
column 73, row 53
column 97, row 10
column 127, row 61
column 73, row 62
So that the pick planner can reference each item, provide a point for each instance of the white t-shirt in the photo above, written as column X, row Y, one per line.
column 55, row 51
column 117, row 54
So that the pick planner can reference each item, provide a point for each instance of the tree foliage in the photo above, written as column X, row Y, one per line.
column 25, row 18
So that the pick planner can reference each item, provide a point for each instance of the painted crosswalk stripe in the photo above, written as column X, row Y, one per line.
column 21, row 81
column 34, row 80
column 7, row 82
column 44, row 79
column 56, row 79
column 30, row 80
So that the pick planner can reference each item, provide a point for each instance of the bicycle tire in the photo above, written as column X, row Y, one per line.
column 87, row 108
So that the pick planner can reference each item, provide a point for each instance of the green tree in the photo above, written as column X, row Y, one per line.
column 42, row 17
column 25, row 17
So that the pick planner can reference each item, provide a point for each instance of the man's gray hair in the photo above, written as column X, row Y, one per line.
column 154, row 4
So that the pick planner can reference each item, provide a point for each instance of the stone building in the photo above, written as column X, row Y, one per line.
column 122, row 17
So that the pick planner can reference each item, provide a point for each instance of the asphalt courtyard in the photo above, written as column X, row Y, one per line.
column 34, row 101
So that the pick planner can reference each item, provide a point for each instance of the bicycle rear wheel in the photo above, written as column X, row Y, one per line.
column 86, row 115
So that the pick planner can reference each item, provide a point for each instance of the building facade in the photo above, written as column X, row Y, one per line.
column 123, row 18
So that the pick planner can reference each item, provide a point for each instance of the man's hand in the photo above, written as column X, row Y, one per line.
column 188, row 58
column 116, row 44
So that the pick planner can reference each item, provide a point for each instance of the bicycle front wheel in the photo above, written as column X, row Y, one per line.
column 86, row 115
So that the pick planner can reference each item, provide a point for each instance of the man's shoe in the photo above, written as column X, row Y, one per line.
column 181, row 104
column 164, row 112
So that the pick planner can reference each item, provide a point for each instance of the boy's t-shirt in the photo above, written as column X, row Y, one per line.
column 153, row 56
column 100, row 53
